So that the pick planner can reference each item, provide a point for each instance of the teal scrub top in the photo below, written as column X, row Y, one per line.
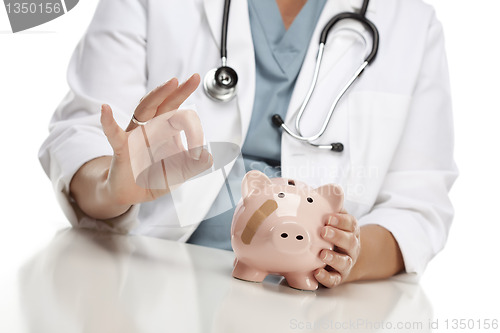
column 279, row 54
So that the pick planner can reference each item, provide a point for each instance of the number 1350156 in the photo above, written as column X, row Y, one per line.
column 33, row 8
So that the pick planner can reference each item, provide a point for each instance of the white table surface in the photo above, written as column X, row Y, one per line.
column 85, row 281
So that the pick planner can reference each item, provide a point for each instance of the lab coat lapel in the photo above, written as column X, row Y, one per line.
column 241, row 57
column 213, row 13
column 240, row 52
column 202, row 191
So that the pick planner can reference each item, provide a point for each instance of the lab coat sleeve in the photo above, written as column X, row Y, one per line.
column 413, row 202
column 108, row 66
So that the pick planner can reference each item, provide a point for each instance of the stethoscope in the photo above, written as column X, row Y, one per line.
column 220, row 83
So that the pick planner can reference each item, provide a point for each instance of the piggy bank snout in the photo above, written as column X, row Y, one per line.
column 290, row 238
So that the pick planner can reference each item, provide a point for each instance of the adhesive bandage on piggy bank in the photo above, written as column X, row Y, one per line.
column 276, row 229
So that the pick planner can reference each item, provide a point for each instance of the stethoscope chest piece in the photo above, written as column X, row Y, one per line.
column 220, row 83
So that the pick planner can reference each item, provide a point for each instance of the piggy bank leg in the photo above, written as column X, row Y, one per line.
column 244, row 272
column 303, row 281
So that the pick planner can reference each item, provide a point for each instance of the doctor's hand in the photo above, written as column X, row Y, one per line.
column 107, row 187
column 343, row 232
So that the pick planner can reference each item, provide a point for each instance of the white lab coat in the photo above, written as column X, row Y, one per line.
column 395, row 122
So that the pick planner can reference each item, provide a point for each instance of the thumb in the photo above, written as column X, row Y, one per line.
column 116, row 136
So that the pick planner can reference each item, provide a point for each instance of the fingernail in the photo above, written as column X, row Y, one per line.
column 349, row 262
column 189, row 78
column 333, row 220
column 196, row 153
column 205, row 158
column 320, row 274
column 103, row 106
column 327, row 256
column 166, row 82
column 327, row 233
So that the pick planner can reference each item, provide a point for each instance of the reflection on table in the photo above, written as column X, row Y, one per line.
column 86, row 281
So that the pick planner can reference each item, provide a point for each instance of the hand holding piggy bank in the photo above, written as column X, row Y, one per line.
column 276, row 229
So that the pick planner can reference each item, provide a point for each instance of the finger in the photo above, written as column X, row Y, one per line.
column 154, row 98
column 149, row 104
column 194, row 167
column 177, row 141
column 344, row 222
column 342, row 263
column 179, row 95
column 116, row 136
column 181, row 167
column 344, row 240
column 189, row 122
column 163, row 131
column 328, row 279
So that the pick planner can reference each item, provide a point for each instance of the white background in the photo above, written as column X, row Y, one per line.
column 462, row 282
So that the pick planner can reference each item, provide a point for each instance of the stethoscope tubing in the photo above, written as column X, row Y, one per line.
column 369, row 58
column 330, row 111
column 323, row 37
column 361, row 19
column 223, row 43
column 314, row 81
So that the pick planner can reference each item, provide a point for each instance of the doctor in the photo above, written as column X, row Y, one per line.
column 395, row 122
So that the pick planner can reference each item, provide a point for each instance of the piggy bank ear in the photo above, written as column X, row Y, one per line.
column 254, row 181
column 334, row 194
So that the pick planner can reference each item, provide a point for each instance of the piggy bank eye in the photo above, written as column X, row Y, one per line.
column 281, row 195
column 309, row 199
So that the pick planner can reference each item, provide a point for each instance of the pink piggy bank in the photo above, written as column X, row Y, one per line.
column 276, row 229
